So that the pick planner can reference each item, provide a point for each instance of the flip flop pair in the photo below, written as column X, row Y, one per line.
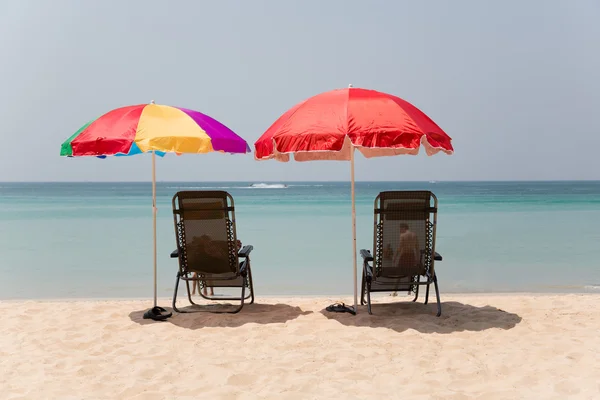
column 340, row 308
column 157, row 314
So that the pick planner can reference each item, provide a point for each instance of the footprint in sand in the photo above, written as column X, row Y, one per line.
column 241, row 379
column 566, row 388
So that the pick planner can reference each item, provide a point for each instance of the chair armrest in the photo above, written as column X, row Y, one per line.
column 245, row 251
column 366, row 255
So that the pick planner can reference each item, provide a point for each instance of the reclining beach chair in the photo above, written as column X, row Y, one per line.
column 404, row 246
column 207, row 247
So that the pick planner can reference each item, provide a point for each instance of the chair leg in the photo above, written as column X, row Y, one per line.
column 189, row 293
column 362, row 289
column 427, row 291
column 242, row 298
column 417, row 291
column 234, row 311
column 238, row 308
column 251, row 285
column 175, row 292
column 437, row 294
column 369, row 297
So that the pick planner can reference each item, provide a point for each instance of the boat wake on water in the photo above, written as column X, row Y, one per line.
column 268, row 186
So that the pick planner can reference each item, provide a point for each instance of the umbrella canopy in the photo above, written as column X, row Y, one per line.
column 157, row 129
column 326, row 126
column 151, row 127
column 331, row 125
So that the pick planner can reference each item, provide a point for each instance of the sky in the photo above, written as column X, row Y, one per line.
column 516, row 84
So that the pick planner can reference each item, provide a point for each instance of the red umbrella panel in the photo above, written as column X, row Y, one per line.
column 328, row 125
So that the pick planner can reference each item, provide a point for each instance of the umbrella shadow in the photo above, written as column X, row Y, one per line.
column 456, row 317
column 251, row 314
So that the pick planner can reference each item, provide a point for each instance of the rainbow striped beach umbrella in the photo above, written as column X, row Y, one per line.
column 156, row 129
column 152, row 128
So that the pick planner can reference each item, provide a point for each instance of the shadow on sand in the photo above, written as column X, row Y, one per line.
column 401, row 316
column 250, row 314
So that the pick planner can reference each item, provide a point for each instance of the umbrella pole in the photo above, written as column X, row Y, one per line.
column 156, row 313
column 154, row 210
column 353, row 227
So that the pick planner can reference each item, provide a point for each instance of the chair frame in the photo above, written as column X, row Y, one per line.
column 243, row 269
column 369, row 275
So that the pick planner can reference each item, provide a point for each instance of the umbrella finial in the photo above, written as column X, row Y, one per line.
column 349, row 86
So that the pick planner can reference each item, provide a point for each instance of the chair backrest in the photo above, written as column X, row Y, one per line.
column 205, row 232
column 404, row 234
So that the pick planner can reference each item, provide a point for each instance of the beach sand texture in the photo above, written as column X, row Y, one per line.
column 482, row 347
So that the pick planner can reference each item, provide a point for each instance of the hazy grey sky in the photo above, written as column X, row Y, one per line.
column 515, row 83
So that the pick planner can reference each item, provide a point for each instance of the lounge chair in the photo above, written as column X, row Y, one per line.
column 207, row 247
column 404, row 246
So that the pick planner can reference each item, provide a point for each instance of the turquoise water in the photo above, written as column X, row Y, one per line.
column 95, row 239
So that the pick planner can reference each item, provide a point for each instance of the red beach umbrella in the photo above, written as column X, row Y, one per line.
column 331, row 125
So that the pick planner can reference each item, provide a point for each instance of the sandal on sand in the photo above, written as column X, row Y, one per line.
column 157, row 314
column 341, row 307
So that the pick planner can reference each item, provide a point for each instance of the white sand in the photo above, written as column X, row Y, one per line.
column 483, row 347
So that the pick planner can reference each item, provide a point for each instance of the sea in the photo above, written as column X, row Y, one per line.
column 94, row 240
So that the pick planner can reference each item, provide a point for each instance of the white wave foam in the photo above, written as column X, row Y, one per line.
column 305, row 185
column 252, row 186
column 197, row 187
column 268, row 186
column 204, row 187
column 592, row 287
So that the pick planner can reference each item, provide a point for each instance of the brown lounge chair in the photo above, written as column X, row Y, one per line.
column 404, row 246
column 207, row 247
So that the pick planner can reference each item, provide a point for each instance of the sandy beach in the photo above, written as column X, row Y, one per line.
column 482, row 347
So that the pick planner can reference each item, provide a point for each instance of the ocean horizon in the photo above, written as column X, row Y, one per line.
column 320, row 181
column 94, row 239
